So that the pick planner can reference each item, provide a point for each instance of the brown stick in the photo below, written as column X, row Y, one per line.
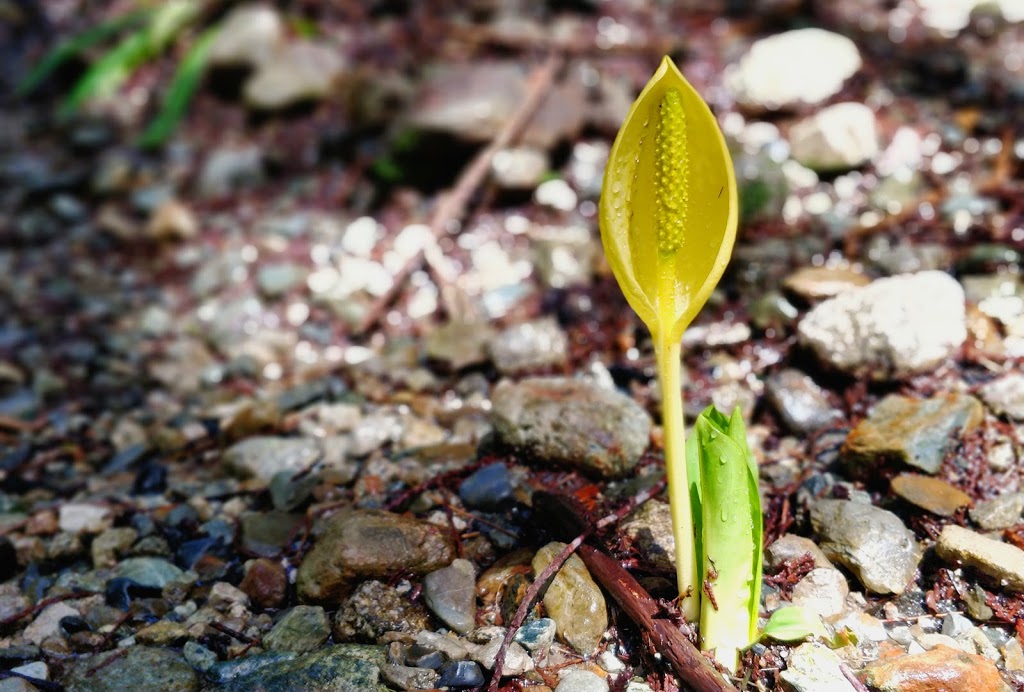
column 452, row 205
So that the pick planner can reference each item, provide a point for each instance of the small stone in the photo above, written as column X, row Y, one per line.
column 449, row 645
column 577, row 680
column 198, row 656
column 265, row 582
column 839, row 137
column 223, row 596
column 409, row 678
column 149, row 572
column 998, row 513
column 267, row 533
column 450, row 593
column 941, row 668
column 111, row 544
column 1013, row 655
column 1002, row 562
column 1005, row 396
column 227, row 169
column 459, row 674
column 519, row 168
column 47, row 623
column 141, row 669
column 516, row 662
column 790, row 547
column 370, row 544
column 537, row 635
column 374, row 609
column 775, row 72
column 247, row 36
column 573, row 601
column 813, row 667
column 300, row 630
column 572, row 422
column 649, row 529
column 529, row 346
column 891, row 328
column 823, row 591
column 556, row 194
column 275, row 280
column 487, row 488
column 172, row 220
column 37, row 669
column 816, row 283
column 459, row 344
column 871, row 542
column 801, row 403
column 264, row 457
column 343, row 668
column 82, row 518
column 299, row 71
column 563, row 255
column 933, row 494
column 162, row 633
column 917, row 432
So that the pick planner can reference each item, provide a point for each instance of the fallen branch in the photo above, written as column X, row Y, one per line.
column 453, row 205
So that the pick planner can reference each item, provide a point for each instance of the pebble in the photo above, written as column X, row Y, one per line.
column 529, row 346
column 140, row 669
column 933, row 494
column 408, row 677
column 267, row 533
column 813, row 667
column 162, row 633
column 450, row 593
column 264, row 457
column 1002, row 562
column 47, row 623
column 149, row 572
column 276, row 279
column 563, row 255
column 556, row 194
column 839, row 137
column 823, row 591
column 571, row 422
column 370, row 544
column 800, row 402
column 375, row 609
column 82, row 518
column 516, row 662
column 577, row 680
column 789, row 547
column 487, row 488
column 460, row 674
column 300, row 630
column 891, row 328
column 1005, row 396
column 649, row 530
column 230, row 168
column 775, row 72
column 448, row 644
column 265, row 582
column 340, row 668
column 871, row 542
column 916, row 432
column 537, row 635
column 573, row 601
column 941, row 668
column 247, row 36
column 519, row 168
column 107, row 547
column 172, row 220
column 459, row 345
column 300, row 71
column 998, row 513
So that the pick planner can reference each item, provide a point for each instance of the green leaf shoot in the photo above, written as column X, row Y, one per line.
column 794, row 624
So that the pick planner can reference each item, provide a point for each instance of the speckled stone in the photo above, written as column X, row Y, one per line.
column 573, row 601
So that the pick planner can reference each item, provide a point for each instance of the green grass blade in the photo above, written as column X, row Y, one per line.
column 75, row 45
column 181, row 90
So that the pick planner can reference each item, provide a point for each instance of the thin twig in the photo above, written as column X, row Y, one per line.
column 452, row 205
column 852, row 678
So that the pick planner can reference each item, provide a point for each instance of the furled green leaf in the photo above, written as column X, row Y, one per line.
column 76, row 45
column 792, row 624
column 732, row 528
column 180, row 92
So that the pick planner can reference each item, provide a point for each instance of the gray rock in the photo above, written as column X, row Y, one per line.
column 891, row 328
column 916, row 432
column 141, row 669
column 871, row 542
column 248, row 36
column 789, row 547
column 649, row 529
column 563, row 255
column 573, row 601
column 299, row 71
column 578, row 680
column 1002, row 562
column 839, row 137
column 813, row 667
column 343, row 668
column 571, row 422
column 529, row 346
column 277, row 279
column 451, row 593
column 47, row 623
column 111, row 544
column 300, row 630
column 1005, row 396
column 227, row 169
column 801, row 403
column 374, row 609
column 776, row 71
column 459, row 344
column 370, row 544
column 998, row 513
column 265, row 457
column 408, row 677
column 516, row 662
column 537, row 635
column 153, row 572
column 823, row 591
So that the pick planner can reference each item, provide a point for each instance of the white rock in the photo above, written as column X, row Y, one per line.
column 891, row 328
column 838, row 137
column 47, row 623
column 37, row 669
column 800, row 66
column 248, row 36
column 299, row 71
column 519, row 168
column 1005, row 396
column 84, row 518
column 813, row 667
column 949, row 17
column 556, row 194
column 822, row 590
column 579, row 680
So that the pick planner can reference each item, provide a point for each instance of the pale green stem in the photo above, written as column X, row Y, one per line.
column 670, row 381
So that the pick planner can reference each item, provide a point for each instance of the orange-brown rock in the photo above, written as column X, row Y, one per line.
column 943, row 669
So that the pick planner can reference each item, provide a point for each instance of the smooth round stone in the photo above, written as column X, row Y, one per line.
column 451, row 594
column 460, row 674
column 573, row 601
column 487, row 488
column 150, row 572
column 840, row 137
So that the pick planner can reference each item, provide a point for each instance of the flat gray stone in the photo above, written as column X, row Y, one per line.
column 264, row 457
column 871, row 542
column 800, row 402
column 1005, row 396
column 998, row 513
column 450, row 593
